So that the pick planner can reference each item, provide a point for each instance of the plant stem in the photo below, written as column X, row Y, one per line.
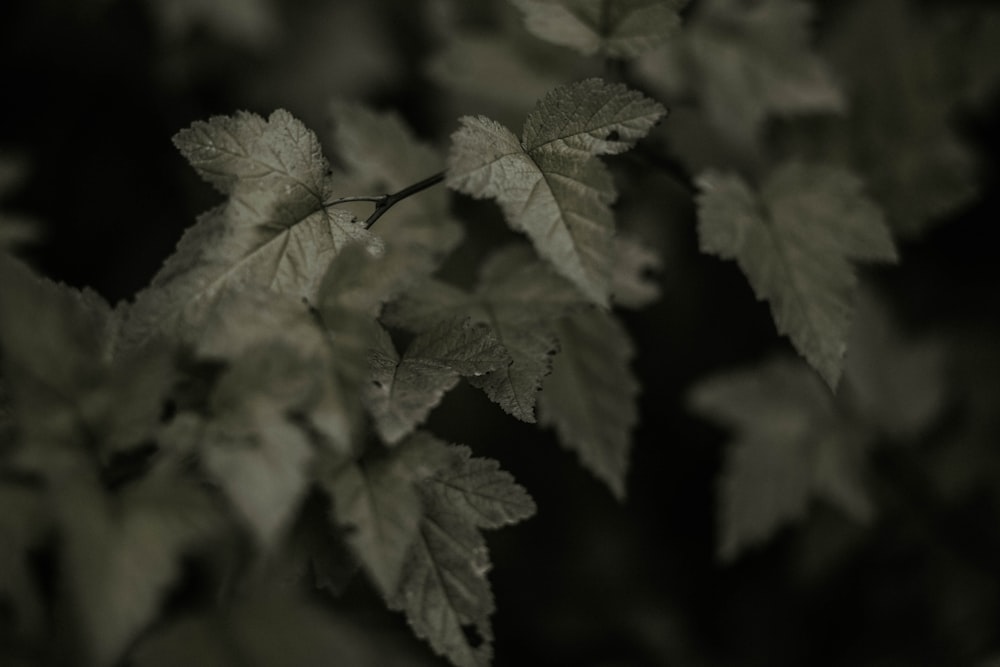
column 384, row 202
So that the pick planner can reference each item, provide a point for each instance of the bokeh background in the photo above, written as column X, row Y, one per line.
column 92, row 90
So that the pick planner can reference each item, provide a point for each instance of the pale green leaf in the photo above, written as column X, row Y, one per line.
column 404, row 390
column 480, row 491
column 790, row 446
column 444, row 591
column 796, row 241
column 377, row 502
column 590, row 397
column 615, row 28
column 275, row 231
column 549, row 186
column 520, row 298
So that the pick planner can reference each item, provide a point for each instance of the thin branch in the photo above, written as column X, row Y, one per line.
column 384, row 202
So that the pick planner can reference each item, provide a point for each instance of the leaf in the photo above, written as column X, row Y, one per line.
column 121, row 556
column 480, row 491
column 747, row 61
column 590, row 397
column 795, row 241
column 790, row 446
column 520, row 298
column 609, row 28
column 275, row 231
column 444, row 591
column 631, row 287
column 548, row 185
column 403, row 390
column 377, row 502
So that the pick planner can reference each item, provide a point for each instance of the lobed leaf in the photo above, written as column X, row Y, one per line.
column 795, row 241
column 548, row 185
column 275, row 231
column 480, row 491
column 443, row 590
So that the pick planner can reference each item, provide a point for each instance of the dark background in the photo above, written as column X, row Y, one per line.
column 93, row 90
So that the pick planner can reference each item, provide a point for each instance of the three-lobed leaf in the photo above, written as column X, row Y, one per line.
column 548, row 184
column 796, row 241
column 791, row 446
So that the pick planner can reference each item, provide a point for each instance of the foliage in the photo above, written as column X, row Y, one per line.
column 308, row 417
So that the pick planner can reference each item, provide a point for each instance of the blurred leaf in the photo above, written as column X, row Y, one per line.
column 248, row 322
column 746, row 61
column 252, row 445
column 790, row 446
column 121, row 555
column 64, row 387
column 250, row 23
column 590, row 397
column 795, row 240
column 609, row 28
column 549, row 186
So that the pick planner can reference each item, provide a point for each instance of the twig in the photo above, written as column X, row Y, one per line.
column 384, row 202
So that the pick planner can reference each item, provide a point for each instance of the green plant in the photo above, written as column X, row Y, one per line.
column 189, row 467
